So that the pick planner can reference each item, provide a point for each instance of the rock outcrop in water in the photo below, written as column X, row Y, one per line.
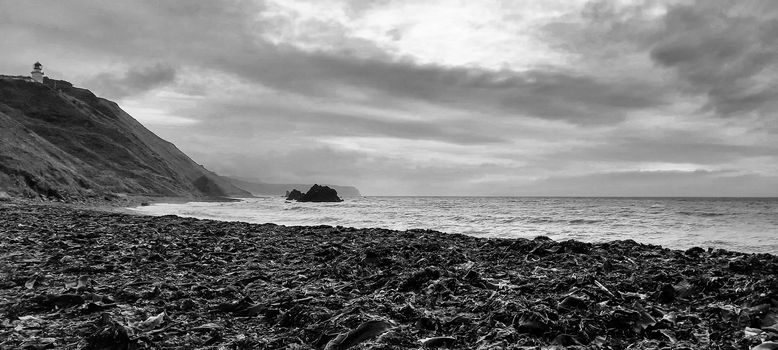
column 294, row 195
column 320, row 194
column 261, row 188
column 315, row 194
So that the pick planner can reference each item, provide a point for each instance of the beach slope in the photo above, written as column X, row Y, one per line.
column 85, row 279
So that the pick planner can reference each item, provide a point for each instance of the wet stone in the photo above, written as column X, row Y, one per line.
column 180, row 283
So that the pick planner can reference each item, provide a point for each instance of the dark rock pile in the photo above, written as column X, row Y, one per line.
column 294, row 195
column 315, row 194
column 77, row 279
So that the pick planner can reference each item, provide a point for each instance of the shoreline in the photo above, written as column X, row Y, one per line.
column 83, row 276
column 119, row 204
column 749, row 240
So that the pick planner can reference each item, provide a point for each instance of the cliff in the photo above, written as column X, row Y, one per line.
column 62, row 142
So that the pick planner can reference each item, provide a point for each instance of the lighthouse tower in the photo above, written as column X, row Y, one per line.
column 37, row 72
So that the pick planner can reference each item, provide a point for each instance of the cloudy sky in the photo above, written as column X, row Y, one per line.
column 488, row 97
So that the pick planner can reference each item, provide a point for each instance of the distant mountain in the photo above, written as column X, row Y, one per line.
column 63, row 142
column 259, row 188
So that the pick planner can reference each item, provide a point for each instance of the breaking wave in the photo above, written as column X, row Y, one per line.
column 747, row 225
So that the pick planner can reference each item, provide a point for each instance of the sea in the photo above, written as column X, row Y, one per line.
column 741, row 224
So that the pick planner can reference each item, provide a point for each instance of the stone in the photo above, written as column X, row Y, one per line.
column 320, row 194
column 295, row 195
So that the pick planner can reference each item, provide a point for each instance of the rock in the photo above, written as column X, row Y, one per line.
column 532, row 323
column 263, row 286
column 476, row 280
column 208, row 327
column 152, row 322
column 110, row 335
column 438, row 342
column 50, row 301
column 320, row 194
column 694, row 252
column 666, row 294
column 39, row 344
column 419, row 279
column 427, row 323
column 295, row 195
column 572, row 303
column 565, row 340
column 363, row 332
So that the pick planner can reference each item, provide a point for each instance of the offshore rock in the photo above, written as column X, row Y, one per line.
column 320, row 194
column 295, row 195
column 260, row 188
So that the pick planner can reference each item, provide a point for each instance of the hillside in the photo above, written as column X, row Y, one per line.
column 62, row 142
column 259, row 188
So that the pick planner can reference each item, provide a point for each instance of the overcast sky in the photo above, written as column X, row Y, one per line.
column 487, row 97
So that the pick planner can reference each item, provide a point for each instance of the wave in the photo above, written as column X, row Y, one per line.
column 300, row 208
column 583, row 221
column 563, row 221
column 702, row 213
column 544, row 221
column 671, row 222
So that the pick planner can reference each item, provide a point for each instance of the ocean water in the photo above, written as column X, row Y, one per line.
column 740, row 224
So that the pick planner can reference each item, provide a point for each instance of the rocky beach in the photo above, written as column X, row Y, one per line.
column 79, row 278
column 536, row 175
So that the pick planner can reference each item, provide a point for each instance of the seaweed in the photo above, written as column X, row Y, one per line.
column 86, row 279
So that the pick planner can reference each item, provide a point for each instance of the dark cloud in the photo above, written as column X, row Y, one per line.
column 137, row 33
column 606, row 29
column 726, row 50
column 134, row 81
column 223, row 36
column 556, row 95
column 627, row 60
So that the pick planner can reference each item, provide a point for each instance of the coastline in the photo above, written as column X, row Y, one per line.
column 742, row 225
column 117, row 204
column 83, row 276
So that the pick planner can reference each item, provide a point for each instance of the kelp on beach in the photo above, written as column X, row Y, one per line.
column 83, row 279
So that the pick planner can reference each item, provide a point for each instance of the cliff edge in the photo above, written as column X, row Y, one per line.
column 58, row 141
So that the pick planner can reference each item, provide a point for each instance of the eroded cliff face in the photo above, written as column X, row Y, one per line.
column 62, row 142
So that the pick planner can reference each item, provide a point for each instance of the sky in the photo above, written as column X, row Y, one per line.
column 488, row 97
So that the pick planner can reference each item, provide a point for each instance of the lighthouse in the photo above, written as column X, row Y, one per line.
column 37, row 72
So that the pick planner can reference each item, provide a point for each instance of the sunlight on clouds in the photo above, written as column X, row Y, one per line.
column 158, row 108
column 420, row 152
column 306, row 25
column 488, row 34
column 409, row 93
column 679, row 167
